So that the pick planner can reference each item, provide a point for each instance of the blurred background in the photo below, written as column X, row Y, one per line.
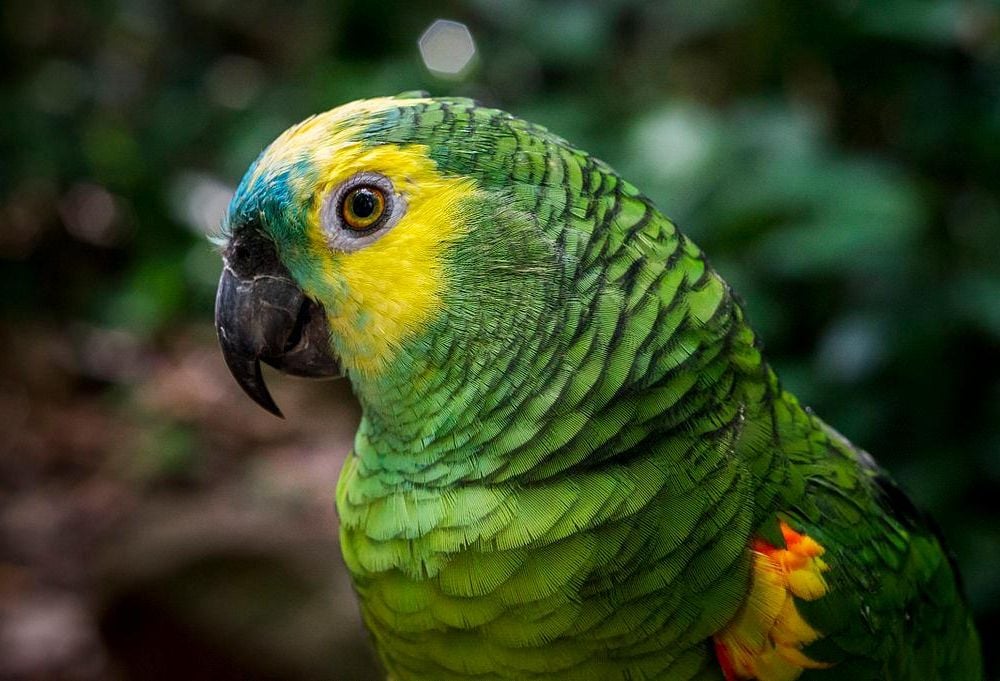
column 839, row 160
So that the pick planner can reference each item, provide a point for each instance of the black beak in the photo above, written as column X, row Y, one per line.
column 262, row 315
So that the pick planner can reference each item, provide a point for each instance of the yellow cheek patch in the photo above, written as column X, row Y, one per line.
column 385, row 292
column 765, row 639
column 389, row 289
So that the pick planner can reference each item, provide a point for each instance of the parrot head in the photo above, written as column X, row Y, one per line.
column 373, row 242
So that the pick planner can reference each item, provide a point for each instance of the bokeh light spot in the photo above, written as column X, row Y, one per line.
column 447, row 48
column 90, row 213
column 199, row 201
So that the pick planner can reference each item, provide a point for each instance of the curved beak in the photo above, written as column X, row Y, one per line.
column 262, row 315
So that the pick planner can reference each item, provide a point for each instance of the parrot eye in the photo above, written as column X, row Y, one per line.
column 360, row 210
column 362, row 207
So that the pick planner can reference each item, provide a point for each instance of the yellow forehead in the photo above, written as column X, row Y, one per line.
column 377, row 297
column 322, row 138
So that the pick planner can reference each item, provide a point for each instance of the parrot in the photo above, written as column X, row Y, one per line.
column 573, row 460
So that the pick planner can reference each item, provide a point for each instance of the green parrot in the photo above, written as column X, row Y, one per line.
column 573, row 461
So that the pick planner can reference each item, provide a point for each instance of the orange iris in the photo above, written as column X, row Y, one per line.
column 363, row 207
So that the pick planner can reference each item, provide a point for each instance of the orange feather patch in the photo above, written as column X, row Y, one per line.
column 764, row 640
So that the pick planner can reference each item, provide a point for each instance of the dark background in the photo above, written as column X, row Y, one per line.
column 839, row 161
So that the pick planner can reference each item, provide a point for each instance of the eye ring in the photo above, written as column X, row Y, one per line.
column 360, row 210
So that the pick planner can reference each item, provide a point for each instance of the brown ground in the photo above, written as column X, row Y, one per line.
column 156, row 524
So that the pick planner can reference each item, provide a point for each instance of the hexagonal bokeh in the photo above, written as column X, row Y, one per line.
column 447, row 48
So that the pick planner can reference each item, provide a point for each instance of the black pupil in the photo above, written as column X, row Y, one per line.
column 363, row 203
